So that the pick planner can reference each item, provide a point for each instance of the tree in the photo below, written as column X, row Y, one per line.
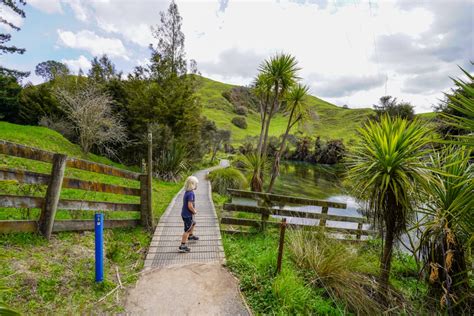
column 458, row 112
column 51, row 69
column 387, row 169
column 14, row 6
column 389, row 105
column 448, row 224
column 9, row 98
column 103, row 70
column 219, row 138
column 169, row 52
column 90, row 111
column 298, row 111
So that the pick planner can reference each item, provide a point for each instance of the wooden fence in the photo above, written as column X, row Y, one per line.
column 46, row 224
column 273, row 204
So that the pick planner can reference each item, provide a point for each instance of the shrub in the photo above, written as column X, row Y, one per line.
column 241, row 110
column 240, row 122
column 334, row 267
column 227, row 178
column 170, row 164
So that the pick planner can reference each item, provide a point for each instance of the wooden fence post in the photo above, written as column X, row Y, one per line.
column 48, row 211
column 282, row 242
column 359, row 227
column 322, row 222
column 146, row 211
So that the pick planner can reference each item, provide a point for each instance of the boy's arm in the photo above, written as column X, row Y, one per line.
column 191, row 207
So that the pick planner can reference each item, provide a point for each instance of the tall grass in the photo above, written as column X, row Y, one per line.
column 228, row 178
column 334, row 267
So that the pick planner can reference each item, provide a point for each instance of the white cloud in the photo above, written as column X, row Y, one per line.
column 80, row 63
column 93, row 43
column 47, row 6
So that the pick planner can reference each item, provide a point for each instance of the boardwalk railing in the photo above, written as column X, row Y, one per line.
column 56, row 180
column 273, row 204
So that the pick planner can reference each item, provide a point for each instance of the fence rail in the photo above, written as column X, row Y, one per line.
column 56, row 180
column 274, row 205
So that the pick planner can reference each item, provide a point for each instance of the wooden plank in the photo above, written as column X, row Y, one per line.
column 97, row 206
column 292, row 213
column 82, row 225
column 271, row 198
column 15, row 201
column 257, row 223
column 64, row 225
column 241, row 222
column 18, row 227
column 101, row 168
column 17, row 150
column 23, row 176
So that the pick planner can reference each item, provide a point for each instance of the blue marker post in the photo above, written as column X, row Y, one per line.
column 99, row 247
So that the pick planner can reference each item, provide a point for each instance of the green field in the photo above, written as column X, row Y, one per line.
column 330, row 121
column 57, row 277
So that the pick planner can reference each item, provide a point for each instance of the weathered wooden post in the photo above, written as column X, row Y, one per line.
column 359, row 228
column 282, row 242
column 324, row 210
column 146, row 188
column 48, row 212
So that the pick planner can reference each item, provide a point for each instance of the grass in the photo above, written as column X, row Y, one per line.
column 332, row 122
column 57, row 277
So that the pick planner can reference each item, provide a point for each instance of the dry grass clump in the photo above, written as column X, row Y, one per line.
column 334, row 266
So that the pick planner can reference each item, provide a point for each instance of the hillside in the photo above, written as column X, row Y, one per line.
column 332, row 121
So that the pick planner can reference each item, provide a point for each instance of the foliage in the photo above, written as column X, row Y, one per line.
column 330, row 153
column 389, row 106
column 447, row 229
column 386, row 169
column 90, row 112
column 253, row 260
column 240, row 122
column 170, row 164
column 9, row 98
column 334, row 267
column 227, row 178
column 459, row 113
column 5, row 37
column 51, row 69
column 241, row 110
column 254, row 165
column 103, row 70
column 37, row 102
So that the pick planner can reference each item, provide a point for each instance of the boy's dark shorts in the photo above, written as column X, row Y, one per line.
column 188, row 223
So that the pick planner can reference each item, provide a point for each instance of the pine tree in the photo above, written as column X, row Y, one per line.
column 5, row 37
column 103, row 70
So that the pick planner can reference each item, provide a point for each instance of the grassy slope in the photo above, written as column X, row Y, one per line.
column 58, row 277
column 332, row 122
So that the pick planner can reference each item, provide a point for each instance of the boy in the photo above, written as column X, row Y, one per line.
column 187, row 213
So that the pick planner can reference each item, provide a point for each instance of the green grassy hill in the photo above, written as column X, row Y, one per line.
column 332, row 122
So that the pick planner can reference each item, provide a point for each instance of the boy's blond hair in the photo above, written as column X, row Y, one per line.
column 191, row 183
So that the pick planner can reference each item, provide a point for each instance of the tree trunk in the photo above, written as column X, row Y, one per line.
column 386, row 261
column 276, row 163
column 269, row 119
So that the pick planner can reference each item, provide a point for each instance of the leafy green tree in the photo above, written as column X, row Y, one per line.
column 51, row 69
column 103, row 70
column 15, row 6
column 389, row 106
column 448, row 224
column 37, row 102
column 298, row 112
column 9, row 98
column 386, row 169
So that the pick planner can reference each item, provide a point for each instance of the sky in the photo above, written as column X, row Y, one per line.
column 350, row 52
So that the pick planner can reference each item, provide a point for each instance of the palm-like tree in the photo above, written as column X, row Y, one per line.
column 298, row 112
column 280, row 73
column 386, row 169
column 448, row 227
column 254, row 164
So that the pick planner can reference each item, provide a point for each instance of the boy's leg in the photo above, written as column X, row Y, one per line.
column 187, row 229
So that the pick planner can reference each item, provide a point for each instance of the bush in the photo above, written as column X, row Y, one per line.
column 227, row 178
column 241, row 110
column 240, row 122
column 171, row 164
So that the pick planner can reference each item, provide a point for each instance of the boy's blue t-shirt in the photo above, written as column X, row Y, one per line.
column 188, row 197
